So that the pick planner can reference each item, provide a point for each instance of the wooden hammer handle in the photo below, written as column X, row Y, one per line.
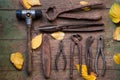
column 29, row 50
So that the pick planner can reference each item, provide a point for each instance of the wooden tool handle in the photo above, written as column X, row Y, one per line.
column 29, row 56
column 46, row 56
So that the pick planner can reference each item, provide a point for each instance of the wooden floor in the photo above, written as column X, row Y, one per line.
column 13, row 38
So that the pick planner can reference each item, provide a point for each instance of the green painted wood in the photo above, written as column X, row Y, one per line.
column 9, row 27
column 7, row 47
column 13, row 75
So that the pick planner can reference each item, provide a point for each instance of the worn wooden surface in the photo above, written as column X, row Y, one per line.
column 13, row 38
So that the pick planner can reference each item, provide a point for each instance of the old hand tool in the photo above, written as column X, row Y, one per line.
column 46, row 56
column 88, row 53
column 82, row 16
column 52, row 13
column 73, row 27
column 100, row 51
column 28, row 15
column 76, row 40
column 61, row 51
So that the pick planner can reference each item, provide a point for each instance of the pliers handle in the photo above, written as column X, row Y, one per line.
column 60, row 51
column 100, row 51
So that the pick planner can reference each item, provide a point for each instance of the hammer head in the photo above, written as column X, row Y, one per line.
column 28, row 15
column 33, row 14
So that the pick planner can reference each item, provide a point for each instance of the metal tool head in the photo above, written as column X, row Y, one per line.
column 28, row 15
column 23, row 14
column 100, row 42
column 76, row 38
column 89, row 41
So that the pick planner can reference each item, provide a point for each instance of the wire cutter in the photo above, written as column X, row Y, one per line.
column 61, row 51
column 100, row 51
column 77, row 42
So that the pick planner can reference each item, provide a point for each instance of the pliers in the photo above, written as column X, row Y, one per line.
column 100, row 51
column 88, row 53
column 53, row 12
column 77, row 42
column 60, row 51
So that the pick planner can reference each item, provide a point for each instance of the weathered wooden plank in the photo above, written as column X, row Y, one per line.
column 15, row 4
column 12, row 75
column 110, row 65
column 110, row 75
column 7, row 47
column 9, row 27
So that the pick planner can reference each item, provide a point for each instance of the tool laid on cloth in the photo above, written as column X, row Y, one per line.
column 88, row 53
column 85, row 27
column 28, row 15
column 52, row 12
column 77, row 43
column 100, row 51
column 61, row 52
column 46, row 56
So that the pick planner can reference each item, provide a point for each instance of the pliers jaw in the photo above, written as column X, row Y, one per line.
column 100, row 42
column 76, row 38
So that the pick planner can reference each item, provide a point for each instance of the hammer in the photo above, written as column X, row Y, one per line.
column 28, row 16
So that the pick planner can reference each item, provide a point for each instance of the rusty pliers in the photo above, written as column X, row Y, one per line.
column 100, row 51
column 77, row 42
column 61, row 51
column 88, row 53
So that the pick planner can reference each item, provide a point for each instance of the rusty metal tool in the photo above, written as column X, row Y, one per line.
column 52, row 12
column 28, row 15
column 61, row 51
column 85, row 27
column 82, row 16
column 77, row 42
column 88, row 53
column 46, row 56
column 100, row 51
